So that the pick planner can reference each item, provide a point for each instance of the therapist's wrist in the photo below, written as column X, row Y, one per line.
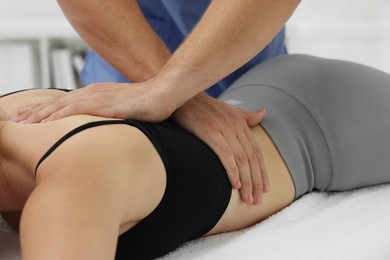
column 169, row 90
column 178, row 84
column 160, row 94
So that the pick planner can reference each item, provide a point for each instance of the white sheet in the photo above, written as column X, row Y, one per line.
column 347, row 225
column 9, row 243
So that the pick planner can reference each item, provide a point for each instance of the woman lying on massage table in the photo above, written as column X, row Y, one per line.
column 82, row 181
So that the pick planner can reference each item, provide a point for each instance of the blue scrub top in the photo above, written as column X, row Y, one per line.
column 172, row 20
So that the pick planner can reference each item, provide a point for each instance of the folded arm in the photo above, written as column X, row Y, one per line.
column 85, row 195
column 63, row 220
column 73, row 213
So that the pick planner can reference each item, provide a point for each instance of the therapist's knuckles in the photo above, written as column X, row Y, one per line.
column 22, row 116
column 31, row 117
column 242, row 158
column 258, row 189
column 253, row 118
column 253, row 156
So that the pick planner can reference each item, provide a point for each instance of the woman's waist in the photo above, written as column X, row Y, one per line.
column 239, row 215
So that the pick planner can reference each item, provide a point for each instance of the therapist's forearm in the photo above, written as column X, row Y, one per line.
column 229, row 35
column 118, row 31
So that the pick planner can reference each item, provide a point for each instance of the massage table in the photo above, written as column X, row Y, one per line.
column 343, row 225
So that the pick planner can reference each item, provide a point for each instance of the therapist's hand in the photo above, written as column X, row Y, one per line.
column 222, row 127
column 226, row 130
column 115, row 100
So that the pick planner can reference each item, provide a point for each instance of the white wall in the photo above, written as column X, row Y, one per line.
column 32, row 18
column 26, row 9
column 29, row 32
column 355, row 30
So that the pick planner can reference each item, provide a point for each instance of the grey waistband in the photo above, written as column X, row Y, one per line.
column 293, row 130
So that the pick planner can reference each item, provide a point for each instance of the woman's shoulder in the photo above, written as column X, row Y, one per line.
column 80, row 140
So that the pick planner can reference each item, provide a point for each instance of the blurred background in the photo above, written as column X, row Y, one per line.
column 354, row 30
column 38, row 47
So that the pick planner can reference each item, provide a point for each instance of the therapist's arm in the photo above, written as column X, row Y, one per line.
column 118, row 31
column 229, row 35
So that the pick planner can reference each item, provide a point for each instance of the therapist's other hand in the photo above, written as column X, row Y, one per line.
column 113, row 100
column 226, row 130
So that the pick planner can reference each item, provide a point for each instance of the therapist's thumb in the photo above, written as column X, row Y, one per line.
column 254, row 118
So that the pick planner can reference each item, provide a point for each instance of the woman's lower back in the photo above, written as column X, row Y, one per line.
column 239, row 215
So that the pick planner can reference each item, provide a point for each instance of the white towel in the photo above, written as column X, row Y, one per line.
column 9, row 243
column 344, row 225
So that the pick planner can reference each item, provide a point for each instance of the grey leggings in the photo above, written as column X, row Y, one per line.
column 329, row 119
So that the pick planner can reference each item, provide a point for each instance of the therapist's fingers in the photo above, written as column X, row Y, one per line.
column 28, row 108
column 89, row 100
column 242, row 161
column 225, row 130
column 38, row 112
column 260, row 180
column 51, row 114
column 223, row 150
column 254, row 181
column 253, row 119
column 26, row 112
column 242, row 158
column 45, row 112
column 49, row 109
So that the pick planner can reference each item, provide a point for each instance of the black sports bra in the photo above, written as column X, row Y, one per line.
column 196, row 196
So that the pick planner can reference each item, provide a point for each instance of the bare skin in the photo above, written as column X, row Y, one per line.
column 63, row 199
column 118, row 31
